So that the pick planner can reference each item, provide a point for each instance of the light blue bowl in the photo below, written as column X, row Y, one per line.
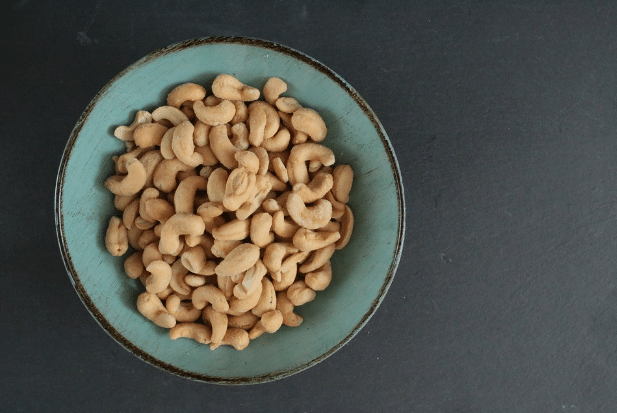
column 363, row 271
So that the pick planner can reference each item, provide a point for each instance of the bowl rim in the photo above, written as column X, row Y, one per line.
column 74, row 276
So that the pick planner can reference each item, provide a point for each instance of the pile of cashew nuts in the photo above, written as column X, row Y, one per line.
column 231, row 208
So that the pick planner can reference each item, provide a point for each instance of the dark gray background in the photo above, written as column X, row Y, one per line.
column 503, row 118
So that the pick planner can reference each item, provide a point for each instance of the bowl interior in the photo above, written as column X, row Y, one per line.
column 362, row 271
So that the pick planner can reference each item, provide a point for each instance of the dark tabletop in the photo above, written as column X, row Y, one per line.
column 503, row 116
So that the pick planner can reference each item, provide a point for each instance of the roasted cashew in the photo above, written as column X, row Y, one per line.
column 166, row 149
column 264, row 159
column 193, row 259
column 287, row 105
column 318, row 258
column 275, row 253
column 186, row 92
column 279, row 142
column 251, row 278
column 196, row 331
column 121, row 161
column 256, row 125
column 319, row 279
column 263, row 187
column 242, row 112
column 267, row 299
column 277, row 184
column 146, row 195
column 338, row 208
column 312, row 217
column 129, row 214
column 212, row 295
column 308, row 121
column 239, row 188
column 159, row 209
column 185, row 193
column 244, row 321
column 233, row 230
column 122, row 201
column 343, row 179
column 297, row 137
column 270, row 322
column 260, row 229
column 164, row 178
column 282, row 227
column 237, row 338
column 116, row 238
column 221, row 249
column 179, row 224
column 149, row 134
column 178, row 272
column 142, row 223
column 150, row 254
column 214, row 115
column 299, row 293
column 290, row 319
column 347, row 222
column 293, row 260
column 150, row 160
column 218, row 321
column 307, row 240
column 145, row 238
column 226, row 285
column 165, row 293
column 183, row 145
column 183, row 312
column 240, row 259
column 300, row 154
column 240, row 136
column 280, row 170
column 316, row 189
column 272, row 120
column 160, row 275
column 248, row 160
column 125, row 133
column 174, row 115
column 201, row 133
column 133, row 265
column 195, row 280
column 281, row 280
column 273, row 88
column 151, row 307
column 128, row 184
column 228, row 87
column 222, row 147
column 239, row 306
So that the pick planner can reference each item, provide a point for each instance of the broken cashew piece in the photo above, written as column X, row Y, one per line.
column 151, row 307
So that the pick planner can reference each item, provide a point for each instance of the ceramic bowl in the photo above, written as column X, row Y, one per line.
column 363, row 270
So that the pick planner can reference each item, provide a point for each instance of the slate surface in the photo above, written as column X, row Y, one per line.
column 502, row 115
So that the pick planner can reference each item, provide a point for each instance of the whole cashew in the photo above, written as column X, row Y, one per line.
column 159, row 209
column 267, row 299
column 287, row 105
column 146, row 135
column 210, row 294
column 294, row 259
column 242, row 112
column 226, row 285
column 275, row 253
column 186, row 92
column 215, row 115
column 260, row 229
column 233, row 230
column 237, row 338
column 164, row 178
column 147, row 237
column 166, row 149
column 251, row 278
column 256, row 125
column 270, row 322
column 308, row 121
column 133, row 265
column 296, row 164
column 228, row 87
column 318, row 258
column 347, row 222
column 221, row 248
column 244, row 321
column 122, row 201
column 283, row 279
column 272, row 120
column 177, row 283
column 263, row 187
column 193, row 259
column 312, row 217
column 174, row 115
column 240, row 139
column 179, row 224
column 125, row 133
column 160, row 275
column 319, row 279
column 279, row 142
column 307, row 240
column 150, row 254
column 146, row 195
column 343, row 178
column 198, row 332
column 299, row 293
column 248, row 160
column 183, row 146
column 316, row 189
column 195, row 280
column 290, row 319
column 183, row 312
column 129, row 184
column 239, row 306
column 338, row 208
column 240, row 259
column 277, row 184
column 280, row 170
column 222, row 147
column 130, row 213
column 151, row 307
column 282, row 227
column 239, row 188
column 218, row 321
column 133, row 236
column 121, row 161
column 264, row 159
column 297, row 137
column 116, row 238
column 201, row 133
column 150, row 160
column 185, row 192
column 273, row 88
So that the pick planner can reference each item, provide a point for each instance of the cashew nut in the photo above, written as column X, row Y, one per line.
column 282, row 227
column 150, row 160
column 267, row 299
column 240, row 259
column 185, row 193
column 228, row 87
column 268, row 126
column 233, row 230
column 299, row 293
column 166, row 149
column 318, row 258
column 256, row 125
column 242, row 113
column 186, row 92
column 146, row 237
column 222, row 147
column 273, row 88
column 128, row 184
column 151, row 307
column 218, row 321
column 183, row 145
column 347, row 222
column 125, row 133
column 195, row 280
column 122, row 201
column 338, row 208
column 159, row 209
column 249, row 281
column 308, row 121
column 248, row 160
column 164, row 178
column 312, row 217
column 260, row 229
column 149, row 134
column 290, row 319
column 275, row 253
column 343, row 178
column 198, row 332
column 150, row 254
column 179, row 224
column 294, row 259
column 287, row 105
column 316, row 189
column 281, row 280
column 210, row 294
column 240, row 136
column 160, row 275
column 300, row 154
column 244, row 321
column 130, row 213
column 201, row 133
column 239, row 306
column 221, row 249
column 133, row 265
column 279, row 142
column 280, row 170
column 193, row 259
column 116, row 238
column 174, row 115
column 270, row 322
column 319, row 279
column 239, row 188
column 237, row 338
column 308, row 240
column 277, row 184
column 183, row 312
column 215, row 115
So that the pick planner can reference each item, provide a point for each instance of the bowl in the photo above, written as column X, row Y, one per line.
column 362, row 271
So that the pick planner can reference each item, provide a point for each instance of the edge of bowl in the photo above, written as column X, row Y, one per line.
column 74, row 277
